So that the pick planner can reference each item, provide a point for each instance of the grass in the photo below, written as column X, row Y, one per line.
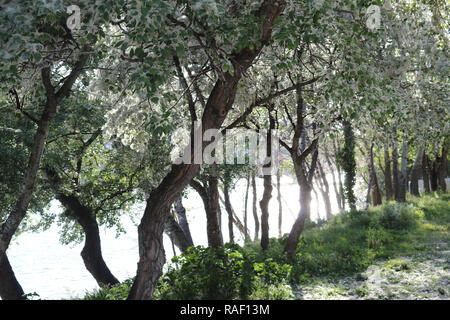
column 394, row 251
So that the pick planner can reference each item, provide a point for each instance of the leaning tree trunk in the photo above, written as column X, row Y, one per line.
column 220, row 101
column 255, row 208
column 333, row 177
column 415, row 173
column 10, row 288
column 237, row 222
column 297, row 228
column 18, row 212
column 176, row 234
column 388, row 174
column 325, row 191
column 182, row 220
column 92, row 252
column 226, row 194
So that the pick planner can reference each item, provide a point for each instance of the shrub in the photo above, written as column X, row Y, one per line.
column 219, row 273
column 376, row 237
column 116, row 292
column 280, row 291
column 396, row 216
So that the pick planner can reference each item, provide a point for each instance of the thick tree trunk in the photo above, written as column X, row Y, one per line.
column 264, row 205
column 442, row 169
column 255, row 208
column 297, row 228
column 10, row 288
column 230, row 213
column 210, row 200
column 182, row 220
column 220, row 101
column 280, row 207
column 388, row 174
column 267, row 192
column 304, row 178
column 415, row 173
column 92, row 252
column 434, row 180
column 376, row 193
column 425, row 173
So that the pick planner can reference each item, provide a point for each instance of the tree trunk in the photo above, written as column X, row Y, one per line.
column 182, row 220
column 376, row 193
column 388, row 174
column 247, row 236
column 333, row 176
column 395, row 173
column 425, row 173
column 18, row 212
column 92, row 252
column 10, row 288
column 297, row 228
column 176, row 234
column 403, row 177
column 325, row 191
column 230, row 213
column 442, row 169
column 255, row 208
column 237, row 222
column 210, row 200
column 280, row 207
column 264, row 205
column 434, row 183
column 220, row 101
column 415, row 172
column 348, row 163
column 267, row 192
column 304, row 178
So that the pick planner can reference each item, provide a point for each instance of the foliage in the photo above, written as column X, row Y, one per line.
column 348, row 163
column 222, row 273
column 116, row 292
column 345, row 246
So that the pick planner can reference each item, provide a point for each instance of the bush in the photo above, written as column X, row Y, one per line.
column 280, row 291
column 219, row 273
column 396, row 217
column 116, row 292
column 376, row 237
